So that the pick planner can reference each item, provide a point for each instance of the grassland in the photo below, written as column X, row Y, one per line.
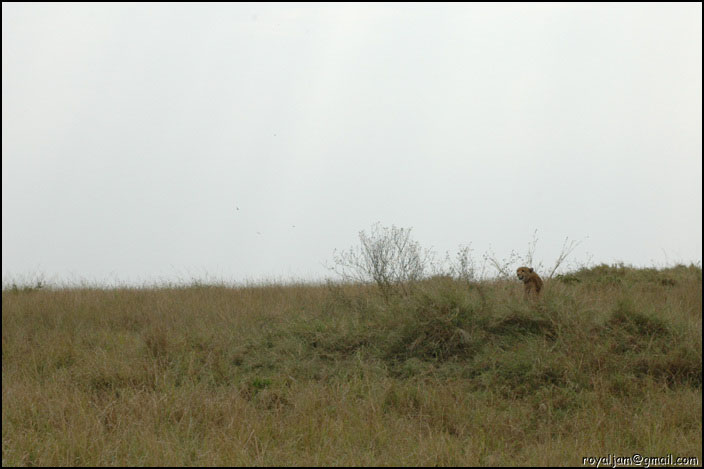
column 609, row 361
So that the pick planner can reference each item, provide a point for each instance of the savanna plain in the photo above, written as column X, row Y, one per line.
column 441, row 372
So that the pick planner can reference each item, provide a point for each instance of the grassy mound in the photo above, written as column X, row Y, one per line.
column 607, row 362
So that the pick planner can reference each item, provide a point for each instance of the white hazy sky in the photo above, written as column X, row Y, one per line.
column 131, row 133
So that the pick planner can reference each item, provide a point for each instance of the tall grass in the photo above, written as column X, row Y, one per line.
column 609, row 361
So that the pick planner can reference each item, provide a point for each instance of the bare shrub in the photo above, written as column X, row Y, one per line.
column 567, row 248
column 388, row 257
column 462, row 266
column 504, row 267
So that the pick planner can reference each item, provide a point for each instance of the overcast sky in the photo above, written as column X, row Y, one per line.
column 162, row 142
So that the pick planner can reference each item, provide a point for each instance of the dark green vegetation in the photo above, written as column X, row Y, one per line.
column 609, row 361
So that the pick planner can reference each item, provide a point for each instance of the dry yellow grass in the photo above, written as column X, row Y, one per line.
column 608, row 362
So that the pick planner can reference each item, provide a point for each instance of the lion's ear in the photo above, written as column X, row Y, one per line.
column 531, row 270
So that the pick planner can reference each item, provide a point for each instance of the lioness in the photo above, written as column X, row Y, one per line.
column 531, row 281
